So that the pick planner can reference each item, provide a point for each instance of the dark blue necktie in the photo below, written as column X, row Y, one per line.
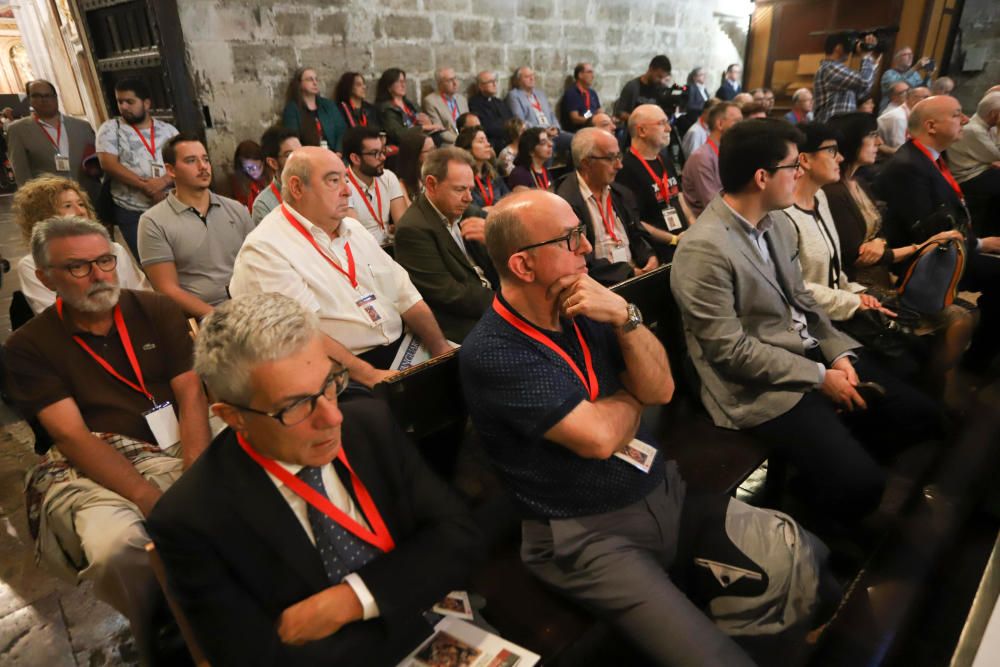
column 340, row 550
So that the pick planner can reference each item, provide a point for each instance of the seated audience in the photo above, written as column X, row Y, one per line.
column 107, row 374
column 700, row 179
column 917, row 184
column 892, row 124
column 731, row 83
column 896, row 96
column 534, row 149
column 490, row 188
column 580, row 101
column 902, row 70
column 648, row 173
column 316, row 118
column 532, row 106
column 647, row 88
column 802, row 107
column 974, row 159
column 311, row 532
column 620, row 244
column 277, row 143
column 697, row 92
column 866, row 103
column 768, row 100
column 189, row 241
column 696, row 135
column 250, row 173
column 742, row 99
column 377, row 200
column 467, row 119
column 769, row 360
column 350, row 95
column 54, row 196
column 753, row 110
column 943, row 85
column 440, row 243
column 492, row 112
column 414, row 147
column 603, row 121
column 505, row 158
column 446, row 104
column 307, row 249
column 396, row 113
column 556, row 376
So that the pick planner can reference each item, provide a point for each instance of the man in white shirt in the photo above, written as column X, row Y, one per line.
column 309, row 250
column 892, row 124
column 377, row 200
column 974, row 159
column 697, row 134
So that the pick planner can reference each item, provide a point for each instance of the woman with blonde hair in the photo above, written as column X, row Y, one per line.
column 54, row 196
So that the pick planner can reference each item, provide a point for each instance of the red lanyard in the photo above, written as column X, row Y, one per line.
column 378, row 537
column 714, row 147
column 487, row 200
column 519, row 323
column 319, row 128
column 586, row 98
column 542, row 183
column 58, row 139
column 942, row 167
column 276, row 191
column 350, row 273
column 452, row 109
column 406, row 110
column 535, row 103
column 349, row 112
column 151, row 144
column 608, row 217
column 663, row 182
column 129, row 352
column 364, row 198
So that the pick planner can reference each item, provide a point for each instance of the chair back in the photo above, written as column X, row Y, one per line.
column 182, row 622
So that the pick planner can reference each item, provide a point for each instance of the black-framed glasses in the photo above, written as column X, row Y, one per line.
column 573, row 240
column 832, row 150
column 379, row 153
column 83, row 268
column 778, row 167
column 614, row 157
column 302, row 409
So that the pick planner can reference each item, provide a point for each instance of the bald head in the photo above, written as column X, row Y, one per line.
column 937, row 121
column 915, row 96
column 314, row 183
column 642, row 114
column 507, row 226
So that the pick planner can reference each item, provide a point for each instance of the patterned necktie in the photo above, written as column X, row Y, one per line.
column 340, row 550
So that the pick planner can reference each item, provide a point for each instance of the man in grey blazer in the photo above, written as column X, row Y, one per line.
column 769, row 360
column 446, row 104
column 49, row 142
column 439, row 242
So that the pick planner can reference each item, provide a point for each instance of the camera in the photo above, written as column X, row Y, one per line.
column 883, row 36
column 672, row 97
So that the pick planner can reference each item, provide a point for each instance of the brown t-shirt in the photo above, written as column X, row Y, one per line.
column 45, row 365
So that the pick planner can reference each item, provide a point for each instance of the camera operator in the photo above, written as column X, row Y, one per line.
column 904, row 70
column 837, row 86
column 646, row 89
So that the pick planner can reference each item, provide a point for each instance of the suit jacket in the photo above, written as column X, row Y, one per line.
column 727, row 91
column 493, row 114
column 520, row 106
column 438, row 110
column 236, row 555
column 32, row 154
column 737, row 321
column 696, row 99
column 440, row 270
column 602, row 270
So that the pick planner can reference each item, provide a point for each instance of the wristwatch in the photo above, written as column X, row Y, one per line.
column 634, row 318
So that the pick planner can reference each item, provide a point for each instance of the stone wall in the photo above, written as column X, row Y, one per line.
column 242, row 52
column 980, row 29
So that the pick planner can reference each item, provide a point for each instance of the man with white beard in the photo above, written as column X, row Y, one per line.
column 107, row 374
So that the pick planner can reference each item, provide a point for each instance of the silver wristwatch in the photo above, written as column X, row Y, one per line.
column 634, row 318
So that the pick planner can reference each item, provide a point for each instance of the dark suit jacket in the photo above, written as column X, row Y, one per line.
column 236, row 556
column 602, row 270
column 726, row 92
column 851, row 226
column 32, row 154
column 440, row 270
column 493, row 113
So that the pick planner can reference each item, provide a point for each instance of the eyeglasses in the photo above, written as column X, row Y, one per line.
column 380, row 153
column 794, row 165
column 487, row 82
column 832, row 150
column 573, row 240
column 614, row 157
column 84, row 268
column 302, row 409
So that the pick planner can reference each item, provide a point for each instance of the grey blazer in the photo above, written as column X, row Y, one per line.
column 737, row 320
column 32, row 154
column 437, row 109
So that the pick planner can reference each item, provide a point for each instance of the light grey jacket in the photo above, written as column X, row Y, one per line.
column 32, row 154
column 438, row 111
column 737, row 319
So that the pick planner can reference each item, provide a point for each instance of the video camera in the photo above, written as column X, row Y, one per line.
column 883, row 35
column 672, row 97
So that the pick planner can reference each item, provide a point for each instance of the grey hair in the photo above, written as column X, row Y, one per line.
column 797, row 95
column 505, row 234
column 584, row 142
column 245, row 332
column 57, row 227
column 987, row 105
column 437, row 161
column 940, row 85
column 439, row 74
column 298, row 165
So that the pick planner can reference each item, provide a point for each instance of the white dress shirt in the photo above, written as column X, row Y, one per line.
column 604, row 245
column 892, row 126
column 277, row 258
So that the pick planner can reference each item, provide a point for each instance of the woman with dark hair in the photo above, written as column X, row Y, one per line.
column 350, row 96
column 313, row 116
column 250, row 173
column 414, row 146
column 397, row 113
column 489, row 187
column 505, row 161
column 534, row 149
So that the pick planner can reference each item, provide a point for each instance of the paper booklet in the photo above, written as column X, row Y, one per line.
column 456, row 643
column 412, row 352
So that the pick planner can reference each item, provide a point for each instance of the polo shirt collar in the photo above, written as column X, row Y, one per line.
column 179, row 207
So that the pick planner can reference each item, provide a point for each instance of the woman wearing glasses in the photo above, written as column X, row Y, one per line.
column 489, row 188
column 53, row 196
column 313, row 116
column 534, row 149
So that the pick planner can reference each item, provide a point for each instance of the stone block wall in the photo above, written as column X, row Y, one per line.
column 980, row 29
column 242, row 52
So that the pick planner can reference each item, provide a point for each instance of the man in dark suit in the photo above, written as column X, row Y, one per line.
column 918, row 186
column 309, row 533
column 439, row 242
column 621, row 247
column 492, row 111
column 730, row 83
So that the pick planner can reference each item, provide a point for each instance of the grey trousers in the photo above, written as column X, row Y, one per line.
column 616, row 564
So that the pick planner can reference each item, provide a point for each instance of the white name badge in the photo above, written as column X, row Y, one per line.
column 369, row 307
column 543, row 120
column 162, row 421
column 619, row 253
column 637, row 453
column 588, row 113
column 62, row 162
column 323, row 144
column 671, row 219
column 157, row 170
